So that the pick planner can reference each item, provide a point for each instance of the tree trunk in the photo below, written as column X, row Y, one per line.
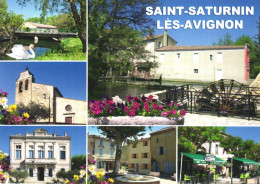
column 118, row 157
column 80, row 20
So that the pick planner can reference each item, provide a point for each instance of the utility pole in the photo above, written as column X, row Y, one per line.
column 208, row 172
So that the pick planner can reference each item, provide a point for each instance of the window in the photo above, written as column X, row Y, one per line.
column 26, row 84
column 50, row 154
column 178, row 57
column 134, row 146
column 219, row 57
column 30, row 153
column 111, row 153
column 68, row 108
column 134, row 155
column 195, row 57
column 145, row 143
column 159, row 44
column 145, row 155
column 50, row 172
column 196, row 71
column 31, row 172
column 144, row 166
column 169, row 134
column 18, row 151
column 20, row 87
column 132, row 165
column 40, row 154
column 161, row 150
column 62, row 169
column 62, row 155
column 100, row 151
column 101, row 142
column 211, row 57
column 18, row 154
column 216, row 150
column 112, row 145
column 157, row 139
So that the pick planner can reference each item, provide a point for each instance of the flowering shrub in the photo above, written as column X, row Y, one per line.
column 11, row 115
column 145, row 106
column 4, row 167
column 99, row 177
column 78, row 179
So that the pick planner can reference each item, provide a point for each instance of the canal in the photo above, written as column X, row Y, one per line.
column 41, row 47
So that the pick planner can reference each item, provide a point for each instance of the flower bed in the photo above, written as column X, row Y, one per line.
column 97, row 178
column 116, row 111
column 4, row 167
column 78, row 179
column 10, row 114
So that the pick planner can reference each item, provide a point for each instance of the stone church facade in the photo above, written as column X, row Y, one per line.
column 62, row 110
column 41, row 154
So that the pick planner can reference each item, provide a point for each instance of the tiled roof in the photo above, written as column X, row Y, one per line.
column 163, row 130
column 42, row 25
column 215, row 47
column 152, row 37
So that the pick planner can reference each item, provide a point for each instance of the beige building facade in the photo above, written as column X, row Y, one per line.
column 41, row 154
column 62, row 110
column 103, row 151
column 139, row 156
column 39, row 28
column 163, row 150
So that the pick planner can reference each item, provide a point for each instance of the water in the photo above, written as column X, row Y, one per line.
column 41, row 47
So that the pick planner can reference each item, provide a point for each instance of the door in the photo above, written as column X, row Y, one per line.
column 218, row 74
column 137, row 168
column 68, row 119
column 40, row 174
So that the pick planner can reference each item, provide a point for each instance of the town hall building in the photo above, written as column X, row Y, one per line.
column 61, row 110
column 41, row 154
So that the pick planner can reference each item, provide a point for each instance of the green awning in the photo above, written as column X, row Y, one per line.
column 200, row 159
column 245, row 161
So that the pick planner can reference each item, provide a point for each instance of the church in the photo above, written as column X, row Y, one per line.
column 61, row 109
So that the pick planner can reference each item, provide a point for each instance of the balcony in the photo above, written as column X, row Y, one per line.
column 40, row 161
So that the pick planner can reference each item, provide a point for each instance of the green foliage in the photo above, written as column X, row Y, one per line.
column 18, row 174
column 36, row 111
column 115, row 35
column 66, row 175
column 226, row 40
column 77, row 161
column 191, row 139
column 9, row 21
column 71, row 45
column 120, row 135
column 66, row 23
column 242, row 149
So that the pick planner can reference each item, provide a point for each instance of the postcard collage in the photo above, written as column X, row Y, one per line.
column 130, row 91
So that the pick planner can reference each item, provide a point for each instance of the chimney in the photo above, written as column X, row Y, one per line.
column 149, row 34
column 165, row 39
column 65, row 134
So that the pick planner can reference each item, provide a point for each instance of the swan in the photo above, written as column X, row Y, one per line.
column 19, row 52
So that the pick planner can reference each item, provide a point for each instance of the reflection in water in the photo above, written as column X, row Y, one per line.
column 41, row 47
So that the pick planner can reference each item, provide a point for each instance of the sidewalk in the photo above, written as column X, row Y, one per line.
column 209, row 120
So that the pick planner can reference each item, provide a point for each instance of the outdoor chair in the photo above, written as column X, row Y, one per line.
column 186, row 178
column 242, row 176
column 204, row 177
column 246, row 175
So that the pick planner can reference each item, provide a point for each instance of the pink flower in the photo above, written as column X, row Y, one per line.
column 164, row 114
column 183, row 112
column 173, row 112
column 171, row 104
column 150, row 97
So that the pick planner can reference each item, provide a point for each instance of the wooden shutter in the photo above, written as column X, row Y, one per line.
column 148, row 155
column 129, row 165
column 142, row 166
column 148, row 166
column 132, row 155
column 142, row 155
column 136, row 155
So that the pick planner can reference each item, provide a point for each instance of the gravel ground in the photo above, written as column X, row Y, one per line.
column 209, row 120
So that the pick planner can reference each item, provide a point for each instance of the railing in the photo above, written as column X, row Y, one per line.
column 40, row 161
column 245, row 104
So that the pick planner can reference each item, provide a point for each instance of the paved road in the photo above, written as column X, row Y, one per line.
column 210, row 120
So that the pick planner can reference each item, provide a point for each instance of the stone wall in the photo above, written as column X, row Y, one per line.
column 78, row 110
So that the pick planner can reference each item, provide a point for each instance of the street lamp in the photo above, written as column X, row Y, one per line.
column 45, row 97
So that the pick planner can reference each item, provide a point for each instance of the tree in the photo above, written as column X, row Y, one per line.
column 233, row 145
column 225, row 41
column 36, row 111
column 77, row 161
column 121, row 135
column 255, row 62
column 18, row 175
column 76, row 7
column 191, row 139
column 116, row 28
column 65, row 22
column 9, row 21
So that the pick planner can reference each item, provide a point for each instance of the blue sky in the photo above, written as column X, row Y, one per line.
column 28, row 11
column 207, row 37
column 93, row 130
column 251, row 133
column 68, row 77
column 77, row 133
